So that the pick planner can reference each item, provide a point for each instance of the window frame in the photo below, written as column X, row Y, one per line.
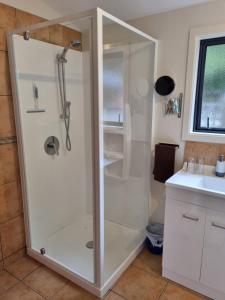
column 195, row 37
column 204, row 43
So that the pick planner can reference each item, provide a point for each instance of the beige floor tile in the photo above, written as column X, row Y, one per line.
column 23, row 267
column 14, row 257
column 174, row 292
column 1, row 264
column 46, row 282
column 21, row 292
column 136, row 284
column 6, row 281
column 10, row 201
column 7, row 124
column 149, row 262
column 113, row 296
column 1, row 256
column 12, row 236
column 73, row 292
column 9, row 164
column 5, row 86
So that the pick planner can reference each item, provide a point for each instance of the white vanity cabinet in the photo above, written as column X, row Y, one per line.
column 213, row 259
column 184, row 232
column 194, row 241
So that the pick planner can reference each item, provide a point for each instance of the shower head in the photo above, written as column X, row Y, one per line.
column 72, row 44
column 75, row 43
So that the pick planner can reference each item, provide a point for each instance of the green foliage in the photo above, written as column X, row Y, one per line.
column 214, row 80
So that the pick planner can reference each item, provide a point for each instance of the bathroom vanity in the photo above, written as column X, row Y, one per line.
column 194, row 246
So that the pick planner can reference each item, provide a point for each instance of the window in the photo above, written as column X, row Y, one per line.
column 209, row 109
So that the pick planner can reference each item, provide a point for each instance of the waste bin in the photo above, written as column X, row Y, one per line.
column 154, row 232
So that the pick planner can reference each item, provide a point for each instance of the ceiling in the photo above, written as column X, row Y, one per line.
column 124, row 9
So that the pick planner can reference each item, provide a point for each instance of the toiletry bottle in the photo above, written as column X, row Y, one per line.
column 220, row 166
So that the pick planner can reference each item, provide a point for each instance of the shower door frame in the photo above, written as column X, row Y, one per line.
column 97, row 287
column 98, row 64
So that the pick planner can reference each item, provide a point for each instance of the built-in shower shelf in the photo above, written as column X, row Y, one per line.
column 113, row 176
column 114, row 129
column 109, row 161
column 113, row 155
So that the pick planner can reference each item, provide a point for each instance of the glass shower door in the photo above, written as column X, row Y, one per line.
column 128, row 75
column 58, row 180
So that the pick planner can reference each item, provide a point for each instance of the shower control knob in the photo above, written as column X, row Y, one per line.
column 52, row 145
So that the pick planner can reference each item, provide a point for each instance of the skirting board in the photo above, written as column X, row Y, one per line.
column 195, row 286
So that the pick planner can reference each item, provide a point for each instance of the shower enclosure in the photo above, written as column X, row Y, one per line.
column 83, row 98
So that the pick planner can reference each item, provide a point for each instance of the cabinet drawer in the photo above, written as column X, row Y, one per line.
column 184, row 232
column 213, row 261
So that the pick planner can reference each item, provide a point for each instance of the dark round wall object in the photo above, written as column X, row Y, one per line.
column 164, row 85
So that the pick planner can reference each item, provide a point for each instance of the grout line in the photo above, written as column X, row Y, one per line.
column 153, row 273
column 17, row 251
column 111, row 291
column 24, row 276
column 163, row 291
column 34, row 290
column 38, row 292
column 9, row 220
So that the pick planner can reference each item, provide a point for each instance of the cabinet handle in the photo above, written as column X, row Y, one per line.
column 218, row 226
column 190, row 218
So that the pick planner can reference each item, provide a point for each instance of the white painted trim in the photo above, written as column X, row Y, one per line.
column 154, row 115
column 98, row 134
column 193, row 285
column 196, row 35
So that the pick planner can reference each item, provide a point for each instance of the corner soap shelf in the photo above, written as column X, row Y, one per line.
column 117, row 148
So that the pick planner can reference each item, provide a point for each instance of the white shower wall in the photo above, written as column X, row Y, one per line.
column 59, row 186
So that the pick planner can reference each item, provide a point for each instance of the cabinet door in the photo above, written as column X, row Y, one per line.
column 184, row 231
column 213, row 261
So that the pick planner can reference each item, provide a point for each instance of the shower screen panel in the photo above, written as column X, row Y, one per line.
column 128, row 74
column 53, row 79
column 83, row 95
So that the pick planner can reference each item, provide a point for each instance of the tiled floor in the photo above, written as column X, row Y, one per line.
column 25, row 279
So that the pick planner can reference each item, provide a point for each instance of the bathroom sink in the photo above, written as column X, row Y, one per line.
column 213, row 183
column 207, row 183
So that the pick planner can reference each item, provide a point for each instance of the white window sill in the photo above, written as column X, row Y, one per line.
column 204, row 137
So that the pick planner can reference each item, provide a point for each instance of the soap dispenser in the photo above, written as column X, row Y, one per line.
column 220, row 166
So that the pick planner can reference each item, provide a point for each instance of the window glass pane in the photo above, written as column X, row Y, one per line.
column 113, row 86
column 213, row 95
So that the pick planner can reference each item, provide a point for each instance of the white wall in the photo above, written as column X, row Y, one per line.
column 39, row 8
column 172, row 30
